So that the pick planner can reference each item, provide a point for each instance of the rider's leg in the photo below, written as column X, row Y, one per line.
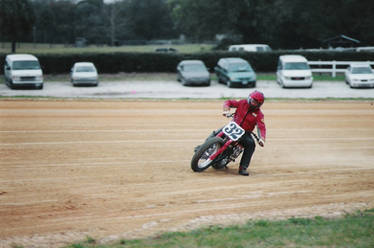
column 249, row 147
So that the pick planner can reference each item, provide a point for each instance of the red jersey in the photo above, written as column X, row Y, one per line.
column 252, row 119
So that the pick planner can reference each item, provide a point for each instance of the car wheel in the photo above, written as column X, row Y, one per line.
column 11, row 85
column 219, row 80
column 282, row 84
column 183, row 81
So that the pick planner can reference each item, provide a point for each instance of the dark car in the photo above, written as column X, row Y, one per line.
column 235, row 72
column 193, row 72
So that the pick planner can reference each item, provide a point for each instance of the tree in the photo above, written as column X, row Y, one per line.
column 202, row 19
column 147, row 19
column 92, row 21
column 16, row 20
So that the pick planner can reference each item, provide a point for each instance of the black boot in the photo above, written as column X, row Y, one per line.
column 243, row 171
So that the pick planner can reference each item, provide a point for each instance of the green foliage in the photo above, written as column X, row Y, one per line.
column 114, row 62
column 284, row 24
column 16, row 20
column 91, row 240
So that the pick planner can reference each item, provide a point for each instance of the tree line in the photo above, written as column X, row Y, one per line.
column 284, row 24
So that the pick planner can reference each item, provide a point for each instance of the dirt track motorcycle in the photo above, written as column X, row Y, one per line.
column 220, row 148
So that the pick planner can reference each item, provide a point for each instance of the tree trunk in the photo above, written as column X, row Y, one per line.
column 13, row 46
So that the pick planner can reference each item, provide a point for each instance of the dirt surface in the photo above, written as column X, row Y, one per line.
column 111, row 169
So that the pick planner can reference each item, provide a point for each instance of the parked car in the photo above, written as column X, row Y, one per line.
column 294, row 71
column 84, row 73
column 23, row 70
column 359, row 75
column 235, row 72
column 166, row 50
column 193, row 72
column 250, row 48
column 365, row 49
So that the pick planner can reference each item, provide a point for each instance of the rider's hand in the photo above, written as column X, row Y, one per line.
column 261, row 142
column 226, row 113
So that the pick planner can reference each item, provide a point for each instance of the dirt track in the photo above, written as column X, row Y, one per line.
column 120, row 169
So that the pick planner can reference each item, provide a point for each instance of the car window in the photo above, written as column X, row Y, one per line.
column 236, row 67
column 221, row 63
column 26, row 65
column 361, row 70
column 85, row 69
column 194, row 67
column 296, row 66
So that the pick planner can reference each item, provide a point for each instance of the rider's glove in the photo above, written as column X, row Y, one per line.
column 226, row 113
column 261, row 142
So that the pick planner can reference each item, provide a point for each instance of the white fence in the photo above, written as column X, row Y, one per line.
column 333, row 66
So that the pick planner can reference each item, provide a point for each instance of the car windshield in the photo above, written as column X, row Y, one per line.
column 263, row 49
column 85, row 69
column 361, row 70
column 237, row 67
column 26, row 65
column 296, row 66
column 194, row 67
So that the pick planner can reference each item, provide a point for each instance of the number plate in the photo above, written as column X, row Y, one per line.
column 233, row 131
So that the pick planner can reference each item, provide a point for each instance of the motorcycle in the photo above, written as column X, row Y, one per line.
column 220, row 148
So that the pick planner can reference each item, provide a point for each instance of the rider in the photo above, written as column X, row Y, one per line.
column 248, row 115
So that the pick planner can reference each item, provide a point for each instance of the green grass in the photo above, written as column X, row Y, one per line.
column 353, row 230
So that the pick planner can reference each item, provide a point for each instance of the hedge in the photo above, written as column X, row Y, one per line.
column 167, row 62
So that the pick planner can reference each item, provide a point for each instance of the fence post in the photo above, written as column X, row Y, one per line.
column 333, row 68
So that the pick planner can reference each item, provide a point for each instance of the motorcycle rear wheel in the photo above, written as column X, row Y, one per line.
column 200, row 160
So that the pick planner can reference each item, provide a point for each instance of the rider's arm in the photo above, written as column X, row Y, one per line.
column 230, row 104
column 261, row 128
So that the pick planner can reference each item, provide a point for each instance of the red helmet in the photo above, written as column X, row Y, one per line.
column 256, row 99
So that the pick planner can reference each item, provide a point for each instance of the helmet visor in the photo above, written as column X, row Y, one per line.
column 254, row 103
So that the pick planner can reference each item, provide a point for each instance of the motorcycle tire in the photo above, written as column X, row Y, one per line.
column 204, row 152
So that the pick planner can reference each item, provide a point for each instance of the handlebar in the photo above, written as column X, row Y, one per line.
column 229, row 115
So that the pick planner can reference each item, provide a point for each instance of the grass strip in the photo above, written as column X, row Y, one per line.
column 353, row 230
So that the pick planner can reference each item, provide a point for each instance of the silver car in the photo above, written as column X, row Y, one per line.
column 193, row 72
column 84, row 73
column 359, row 75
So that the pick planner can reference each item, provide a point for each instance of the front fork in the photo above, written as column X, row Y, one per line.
column 224, row 147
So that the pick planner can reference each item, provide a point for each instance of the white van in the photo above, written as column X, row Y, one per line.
column 250, row 48
column 294, row 71
column 23, row 70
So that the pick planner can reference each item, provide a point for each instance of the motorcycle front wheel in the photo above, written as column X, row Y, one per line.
column 200, row 160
